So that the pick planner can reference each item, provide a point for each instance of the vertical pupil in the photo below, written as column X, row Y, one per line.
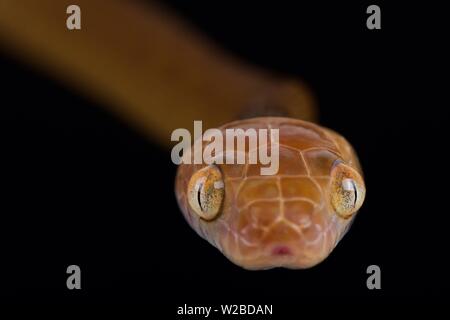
column 199, row 196
column 356, row 193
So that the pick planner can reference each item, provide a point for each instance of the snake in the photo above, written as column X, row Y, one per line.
column 157, row 73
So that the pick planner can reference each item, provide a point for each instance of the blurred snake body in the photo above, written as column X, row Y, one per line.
column 155, row 72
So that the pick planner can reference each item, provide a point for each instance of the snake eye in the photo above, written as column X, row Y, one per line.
column 347, row 190
column 206, row 191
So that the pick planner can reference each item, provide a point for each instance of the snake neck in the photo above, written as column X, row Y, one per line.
column 281, row 98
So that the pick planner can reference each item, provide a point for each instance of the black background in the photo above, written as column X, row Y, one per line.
column 82, row 187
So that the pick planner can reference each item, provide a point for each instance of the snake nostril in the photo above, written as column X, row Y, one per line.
column 281, row 251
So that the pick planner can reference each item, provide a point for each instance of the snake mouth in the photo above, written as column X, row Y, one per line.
column 281, row 251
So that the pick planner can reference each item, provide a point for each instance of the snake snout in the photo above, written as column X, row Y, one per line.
column 287, row 233
column 281, row 251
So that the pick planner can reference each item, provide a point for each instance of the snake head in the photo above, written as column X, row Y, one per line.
column 292, row 219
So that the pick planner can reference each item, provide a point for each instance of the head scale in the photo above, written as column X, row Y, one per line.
column 292, row 219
